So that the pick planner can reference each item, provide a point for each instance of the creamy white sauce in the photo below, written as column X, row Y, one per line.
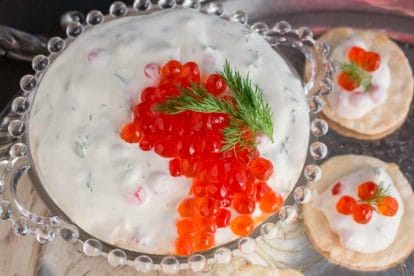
column 380, row 231
column 87, row 94
column 355, row 104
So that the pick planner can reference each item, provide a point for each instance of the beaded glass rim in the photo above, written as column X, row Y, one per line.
column 19, row 161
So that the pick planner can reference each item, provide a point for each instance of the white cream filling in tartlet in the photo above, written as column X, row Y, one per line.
column 380, row 231
column 355, row 104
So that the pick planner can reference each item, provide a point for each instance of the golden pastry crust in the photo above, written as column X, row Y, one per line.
column 360, row 136
column 389, row 116
column 327, row 242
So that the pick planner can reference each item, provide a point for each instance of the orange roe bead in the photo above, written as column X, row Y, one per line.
column 189, row 207
column 148, row 94
column 222, row 217
column 261, row 189
column 242, row 225
column 130, row 133
column 215, row 84
column 203, row 241
column 346, row 82
column 371, row 61
column 204, row 224
column 184, row 245
column 367, row 190
column 185, row 227
column 209, row 207
column 261, row 168
column 189, row 74
column 355, row 53
column 362, row 213
column 243, row 204
column 198, row 188
column 346, row 205
column 188, row 167
column 175, row 167
column 250, row 189
column 171, row 70
column 271, row 202
column 388, row 206
column 336, row 189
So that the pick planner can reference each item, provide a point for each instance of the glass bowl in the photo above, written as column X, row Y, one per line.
column 45, row 229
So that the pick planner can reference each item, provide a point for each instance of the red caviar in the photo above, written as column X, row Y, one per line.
column 171, row 70
column 271, row 202
column 369, row 61
column 362, row 213
column 242, row 225
column 336, row 189
column 371, row 197
column 185, row 226
column 346, row 205
column 261, row 168
column 387, row 206
column 184, row 245
column 346, row 82
column 189, row 207
column 223, row 217
column 221, row 181
column 367, row 190
column 215, row 84
column 130, row 133
column 203, row 241
column 243, row 204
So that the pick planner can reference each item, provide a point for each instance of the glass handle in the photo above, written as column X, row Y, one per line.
column 319, row 69
column 20, row 45
column 19, row 167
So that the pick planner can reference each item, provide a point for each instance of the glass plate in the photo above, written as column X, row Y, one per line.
column 397, row 19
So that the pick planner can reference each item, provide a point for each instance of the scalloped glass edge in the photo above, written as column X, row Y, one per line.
column 47, row 228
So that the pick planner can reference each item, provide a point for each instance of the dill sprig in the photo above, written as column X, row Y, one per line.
column 357, row 75
column 249, row 114
column 252, row 108
column 380, row 193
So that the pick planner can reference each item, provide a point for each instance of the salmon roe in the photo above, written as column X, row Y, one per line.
column 371, row 197
column 242, row 225
column 346, row 82
column 346, row 205
column 336, row 189
column 368, row 61
column 215, row 84
column 184, row 245
column 192, row 141
column 362, row 213
column 367, row 190
column 130, row 133
column 387, row 206
column 271, row 202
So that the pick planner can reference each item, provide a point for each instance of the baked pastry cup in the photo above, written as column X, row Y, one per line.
column 387, row 117
column 327, row 242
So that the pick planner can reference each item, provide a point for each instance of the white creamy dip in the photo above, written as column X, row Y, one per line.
column 355, row 104
column 112, row 189
column 380, row 231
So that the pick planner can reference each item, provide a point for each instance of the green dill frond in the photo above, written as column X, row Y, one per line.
column 357, row 75
column 250, row 112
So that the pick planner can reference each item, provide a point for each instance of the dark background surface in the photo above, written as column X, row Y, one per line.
column 37, row 17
